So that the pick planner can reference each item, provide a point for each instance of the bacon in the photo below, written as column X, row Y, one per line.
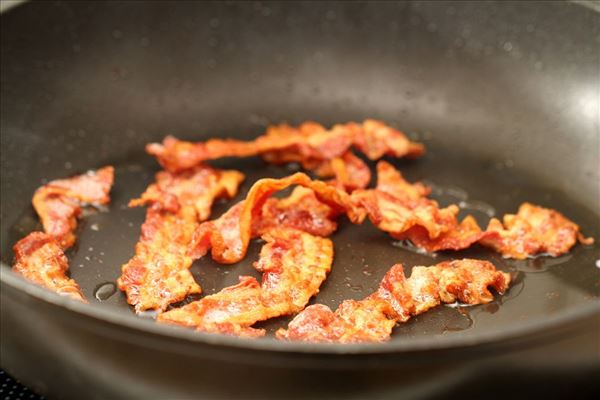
column 229, row 235
column 39, row 258
column 391, row 181
column 376, row 139
column 461, row 236
column 396, row 300
column 176, row 155
column 309, row 144
column 301, row 210
column 198, row 187
column 396, row 206
column 396, row 216
column 349, row 171
column 293, row 263
column 159, row 274
column 531, row 231
column 403, row 210
column 59, row 202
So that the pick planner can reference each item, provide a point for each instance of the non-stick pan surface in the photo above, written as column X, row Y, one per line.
column 503, row 99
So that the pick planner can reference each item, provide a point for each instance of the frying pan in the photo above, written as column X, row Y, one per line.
column 504, row 95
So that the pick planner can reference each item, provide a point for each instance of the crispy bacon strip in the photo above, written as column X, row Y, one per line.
column 391, row 181
column 198, row 187
column 402, row 209
column 301, row 210
column 293, row 263
column 396, row 206
column 59, row 202
column 229, row 235
column 376, row 139
column 349, row 171
column 308, row 144
column 459, row 237
column 397, row 299
column 158, row 274
column 531, row 231
column 40, row 259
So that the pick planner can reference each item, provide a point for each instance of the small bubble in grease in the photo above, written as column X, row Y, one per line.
column 538, row 263
column 480, row 206
column 104, row 291
column 95, row 227
column 597, row 263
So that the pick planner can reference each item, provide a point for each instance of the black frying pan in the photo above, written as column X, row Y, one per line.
column 505, row 96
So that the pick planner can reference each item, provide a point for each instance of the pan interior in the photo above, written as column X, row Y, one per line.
column 501, row 94
column 542, row 286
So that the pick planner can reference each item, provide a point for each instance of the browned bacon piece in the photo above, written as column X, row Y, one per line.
column 293, row 263
column 158, row 274
column 375, row 139
column 349, row 171
column 397, row 299
column 309, row 144
column 229, row 235
column 391, row 181
column 531, row 231
column 40, row 259
column 396, row 206
column 401, row 209
column 301, row 210
column 198, row 187
column 459, row 237
column 59, row 202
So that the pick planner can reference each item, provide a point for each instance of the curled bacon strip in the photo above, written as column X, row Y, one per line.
column 397, row 299
column 198, row 187
column 309, row 144
column 531, row 231
column 401, row 209
column 348, row 171
column 40, row 259
column 59, row 202
column 396, row 206
column 158, row 274
column 229, row 235
column 293, row 263
column 301, row 210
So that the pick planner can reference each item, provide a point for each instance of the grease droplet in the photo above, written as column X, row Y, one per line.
column 539, row 263
column 104, row 291
column 480, row 206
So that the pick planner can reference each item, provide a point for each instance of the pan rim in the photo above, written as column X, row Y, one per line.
column 425, row 344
